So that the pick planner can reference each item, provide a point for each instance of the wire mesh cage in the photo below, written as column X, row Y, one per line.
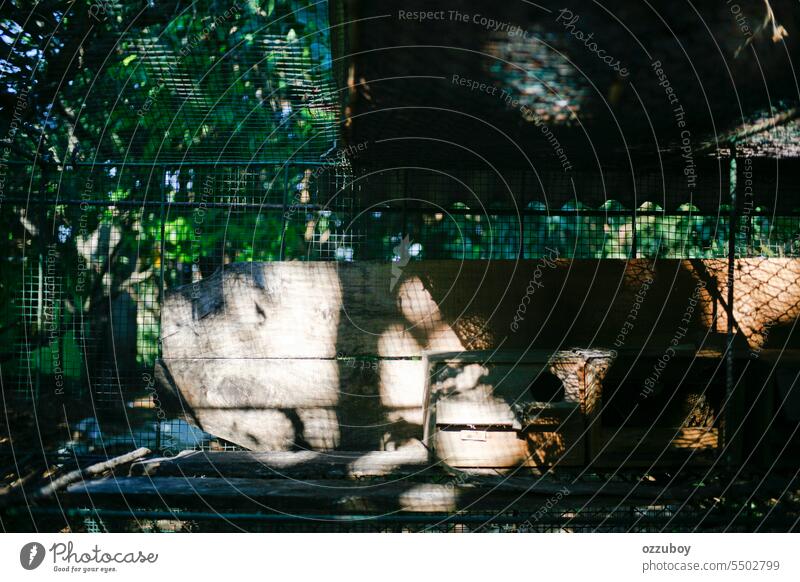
column 98, row 246
column 238, row 133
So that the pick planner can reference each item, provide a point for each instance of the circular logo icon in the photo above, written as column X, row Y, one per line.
column 31, row 555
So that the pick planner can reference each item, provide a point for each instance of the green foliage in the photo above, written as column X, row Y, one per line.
column 579, row 232
column 213, row 80
column 210, row 81
column 199, row 82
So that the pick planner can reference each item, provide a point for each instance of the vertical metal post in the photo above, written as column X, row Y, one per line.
column 404, row 229
column 162, row 193
column 731, row 405
column 284, row 225
column 39, row 323
column 162, row 220
column 521, row 252
column 40, row 248
column 749, row 243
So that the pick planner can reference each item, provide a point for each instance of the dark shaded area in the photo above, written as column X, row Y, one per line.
column 537, row 57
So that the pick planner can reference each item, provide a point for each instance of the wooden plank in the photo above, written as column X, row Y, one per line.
column 511, row 372
column 318, row 309
column 290, row 464
column 481, row 448
column 658, row 438
column 337, row 496
column 294, row 309
column 257, row 383
column 520, row 357
column 89, row 472
column 17, row 495
column 642, row 447
column 503, row 375
column 553, row 436
column 297, row 382
column 321, row 309
column 463, row 412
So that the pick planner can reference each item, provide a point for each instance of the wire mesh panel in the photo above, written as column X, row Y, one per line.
column 184, row 140
column 214, row 81
column 459, row 214
column 92, row 250
column 561, row 517
column 95, row 251
column 197, row 136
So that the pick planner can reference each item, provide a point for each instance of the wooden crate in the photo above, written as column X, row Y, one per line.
column 664, row 444
column 482, row 409
column 480, row 447
column 556, row 437
column 556, row 434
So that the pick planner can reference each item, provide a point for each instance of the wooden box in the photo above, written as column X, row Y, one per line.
column 506, row 409
column 665, row 440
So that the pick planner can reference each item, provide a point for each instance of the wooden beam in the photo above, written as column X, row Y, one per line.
column 89, row 472
column 337, row 496
column 656, row 447
column 287, row 464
